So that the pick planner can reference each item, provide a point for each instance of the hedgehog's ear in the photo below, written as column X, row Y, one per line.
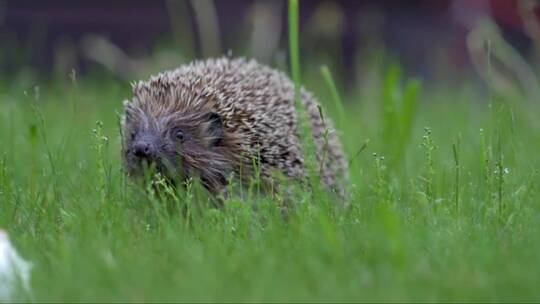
column 213, row 128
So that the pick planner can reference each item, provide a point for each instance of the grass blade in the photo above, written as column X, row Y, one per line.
column 330, row 83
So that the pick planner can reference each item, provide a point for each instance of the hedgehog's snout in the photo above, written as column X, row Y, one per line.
column 144, row 149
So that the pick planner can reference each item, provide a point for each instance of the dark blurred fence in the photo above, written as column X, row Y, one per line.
column 425, row 35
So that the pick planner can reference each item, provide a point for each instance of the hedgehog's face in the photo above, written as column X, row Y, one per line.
column 175, row 145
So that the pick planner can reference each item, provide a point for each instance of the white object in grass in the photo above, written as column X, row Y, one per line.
column 14, row 271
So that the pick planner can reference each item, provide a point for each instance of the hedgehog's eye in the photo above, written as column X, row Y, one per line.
column 179, row 135
column 133, row 135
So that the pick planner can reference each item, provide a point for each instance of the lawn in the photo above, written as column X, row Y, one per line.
column 451, row 213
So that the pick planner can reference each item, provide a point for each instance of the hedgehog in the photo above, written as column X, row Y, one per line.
column 211, row 119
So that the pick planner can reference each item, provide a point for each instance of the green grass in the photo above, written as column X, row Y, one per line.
column 449, row 222
column 444, row 203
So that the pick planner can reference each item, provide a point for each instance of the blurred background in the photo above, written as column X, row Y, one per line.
column 440, row 41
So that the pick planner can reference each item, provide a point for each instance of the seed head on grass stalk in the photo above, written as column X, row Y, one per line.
column 100, row 144
column 330, row 83
column 486, row 156
column 428, row 145
column 325, row 135
column 457, row 167
column 500, row 170
column 380, row 183
column 41, row 127
column 5, row 185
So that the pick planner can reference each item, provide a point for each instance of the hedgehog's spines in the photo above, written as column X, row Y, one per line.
column 256, row 104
